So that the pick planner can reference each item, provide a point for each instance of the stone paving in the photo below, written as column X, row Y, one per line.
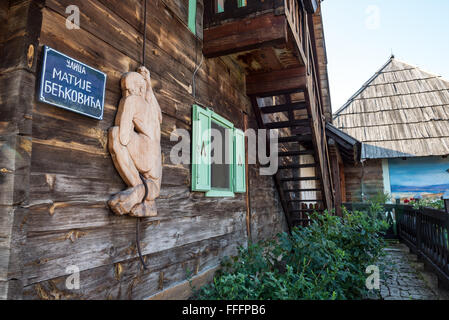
column 404, row 277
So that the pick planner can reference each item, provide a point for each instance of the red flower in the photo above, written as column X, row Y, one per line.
column 406, row 201
column 412, row 199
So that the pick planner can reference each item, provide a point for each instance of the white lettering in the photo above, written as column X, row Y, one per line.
column 73, row 20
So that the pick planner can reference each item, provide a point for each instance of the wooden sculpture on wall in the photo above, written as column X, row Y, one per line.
column 135, row 146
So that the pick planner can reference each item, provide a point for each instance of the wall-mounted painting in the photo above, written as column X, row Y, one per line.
column 426, row 177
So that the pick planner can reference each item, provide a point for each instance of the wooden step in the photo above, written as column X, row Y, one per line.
column 302, row 131
column 300, row 179
column 284, row 108
column 303, row 138
column 302, row 190
column 296, row 153
column 280, row 92
column 297, row 166
column 287, row 124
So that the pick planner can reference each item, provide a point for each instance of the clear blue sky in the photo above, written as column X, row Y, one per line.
column 362, row 34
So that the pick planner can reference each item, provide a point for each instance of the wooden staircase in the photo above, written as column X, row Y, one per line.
column 274, row 42
column 298, row 179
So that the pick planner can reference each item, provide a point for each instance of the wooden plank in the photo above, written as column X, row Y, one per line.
column 286, row 124
column 17, row 99
column 295, row 153
column 283, row 108
column 286, row 80
column 183, row 290
column 244, row 35
column 297, row 166
column 300, row 179
column 127, row 279
column 302, row 138
column 48, row 249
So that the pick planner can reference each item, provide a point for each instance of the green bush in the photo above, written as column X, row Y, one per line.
column 326, row 260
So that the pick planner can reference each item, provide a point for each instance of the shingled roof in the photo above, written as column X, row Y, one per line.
column 400, row 112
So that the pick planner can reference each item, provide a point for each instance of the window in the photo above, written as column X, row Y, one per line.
column 219, row 5
column 192, row 16
column 217, row 168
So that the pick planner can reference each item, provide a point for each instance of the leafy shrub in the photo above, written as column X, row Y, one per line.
column 380, row 198
column 326, row 260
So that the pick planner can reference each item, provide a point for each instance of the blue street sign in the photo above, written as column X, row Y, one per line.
column 72, row 85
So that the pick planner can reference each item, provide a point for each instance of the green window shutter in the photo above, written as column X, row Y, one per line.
column 192, row 16
column 239, row 161
column 201, row 158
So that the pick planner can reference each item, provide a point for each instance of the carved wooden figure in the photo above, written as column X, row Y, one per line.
column 134, row 143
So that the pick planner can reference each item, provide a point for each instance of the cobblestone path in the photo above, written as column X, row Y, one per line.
column 405, row 278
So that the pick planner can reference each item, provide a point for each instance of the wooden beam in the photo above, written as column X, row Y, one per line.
column 184, row 290
column 302, row 131
column 284, row 108
column 276, row 81
column 300, row 179
column 244, row 35
column 297, row 166
column 286, row 124
column 296, row 153
column 303, row 138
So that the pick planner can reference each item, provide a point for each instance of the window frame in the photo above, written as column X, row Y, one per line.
column 240, row 4
column 201, row 173
column 191, row 19
column 216, row 192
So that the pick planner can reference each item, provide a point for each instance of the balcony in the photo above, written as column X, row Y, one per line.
column 273, row 41
column 268, row 38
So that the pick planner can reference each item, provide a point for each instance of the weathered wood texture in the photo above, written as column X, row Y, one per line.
column 366, row 178
column 72, row 175
column 21, row 24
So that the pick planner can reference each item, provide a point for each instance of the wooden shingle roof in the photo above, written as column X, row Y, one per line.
column 401, row 111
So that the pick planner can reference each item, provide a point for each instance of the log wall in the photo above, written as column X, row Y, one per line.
column 366, row 178
column 70, row 176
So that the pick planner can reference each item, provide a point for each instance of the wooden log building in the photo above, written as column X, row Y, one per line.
column 255, row 64
column 401, row 118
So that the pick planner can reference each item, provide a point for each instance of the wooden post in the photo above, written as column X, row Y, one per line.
column 418, row 232
column 335, row 161
column 248, row 201
column 446, row 201
column 18, row 69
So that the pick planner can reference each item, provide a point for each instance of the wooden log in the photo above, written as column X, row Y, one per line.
column 244, row 35
column 276, row 81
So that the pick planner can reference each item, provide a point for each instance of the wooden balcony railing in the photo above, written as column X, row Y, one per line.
column 425, row 231
column 234, row 10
